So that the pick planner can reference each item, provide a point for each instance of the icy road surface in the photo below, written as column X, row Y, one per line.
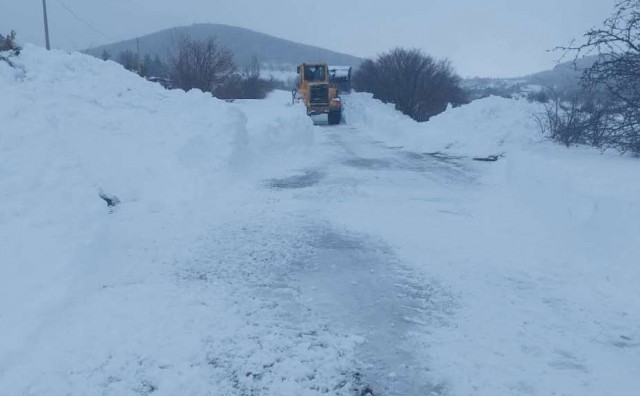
column 354, row 281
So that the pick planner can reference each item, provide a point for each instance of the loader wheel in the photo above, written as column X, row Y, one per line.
column 335, row 117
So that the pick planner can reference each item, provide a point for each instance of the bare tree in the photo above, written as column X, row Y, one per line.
column 246, row 85
column 563, row 119
column 9, row 47
column 419, row 85
column 231, row 88
column 153, row 66
column 129, row 60
column 252, row 70
column 200, row 64
column 614, row 78
column 577, row 117
column 254, row 87
column 8, row 43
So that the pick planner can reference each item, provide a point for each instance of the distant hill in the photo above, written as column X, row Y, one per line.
column 563, row 74
column 563, row 77
column 244, row 44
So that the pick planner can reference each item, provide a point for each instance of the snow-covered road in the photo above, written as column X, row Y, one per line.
column 253, row 253
column 354, row 281
column 329, row 308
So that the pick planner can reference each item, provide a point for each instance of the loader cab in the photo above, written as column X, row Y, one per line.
column 313, row 73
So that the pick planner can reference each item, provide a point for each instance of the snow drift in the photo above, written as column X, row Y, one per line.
column 485, row 127
column 107, row 181
column 74, row 128
column 541, row 246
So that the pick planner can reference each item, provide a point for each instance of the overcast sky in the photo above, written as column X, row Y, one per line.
column 489, row 38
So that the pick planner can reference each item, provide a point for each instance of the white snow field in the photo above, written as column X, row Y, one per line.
column 250, row 252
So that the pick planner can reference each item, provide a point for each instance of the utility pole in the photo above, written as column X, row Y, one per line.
column 46, row 23
column 140, row 65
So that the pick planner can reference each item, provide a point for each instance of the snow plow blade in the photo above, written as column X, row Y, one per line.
column 340, row 77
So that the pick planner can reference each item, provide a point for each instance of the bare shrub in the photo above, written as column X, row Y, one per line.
column 577, row 118
column 538, row 96
column 9, row 48
column 563, row 121
column 8, row 43
column 419, row 85
column 613, row 81
column 254, row 86
column 247, row 85
column 230, row 88
column 154, row 66
column 130, row 60
column 200, row 64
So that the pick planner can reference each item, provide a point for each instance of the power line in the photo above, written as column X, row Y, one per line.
column 79, row 18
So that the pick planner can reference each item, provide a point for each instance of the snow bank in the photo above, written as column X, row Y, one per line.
column 541, row 249
column 546, row 264
column 74, row 127
column 90, row 300
column 485, row 127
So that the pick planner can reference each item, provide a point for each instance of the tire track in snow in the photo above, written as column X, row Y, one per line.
column 360, row 287
column 353, row 281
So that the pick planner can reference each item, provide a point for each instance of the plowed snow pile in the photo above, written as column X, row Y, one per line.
column 542, row 247
column 112, row 190
column 485, row 127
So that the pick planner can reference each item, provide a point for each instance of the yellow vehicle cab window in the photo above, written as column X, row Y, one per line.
column 314, row 73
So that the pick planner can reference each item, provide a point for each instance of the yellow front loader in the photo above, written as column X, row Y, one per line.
column 320, row 96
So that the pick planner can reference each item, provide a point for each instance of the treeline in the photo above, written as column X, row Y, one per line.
column 203, row 65
column 605, row 111
column 419, row 85
column 147, row 66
